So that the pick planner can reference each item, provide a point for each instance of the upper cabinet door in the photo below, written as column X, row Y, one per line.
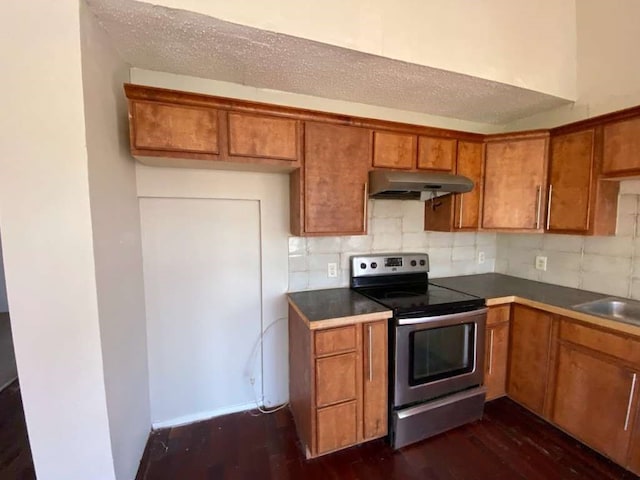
column 570, row 172
column 336, row 169
column 174, row 128
column 514, row 180
column 394, row 150
column 263, row 136
column 469, row 164
column 436, row 153
column 621, row 152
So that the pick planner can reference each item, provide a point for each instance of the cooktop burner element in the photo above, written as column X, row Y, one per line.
column 401, row 283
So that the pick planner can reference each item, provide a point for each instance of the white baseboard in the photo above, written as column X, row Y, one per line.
column 200, row 416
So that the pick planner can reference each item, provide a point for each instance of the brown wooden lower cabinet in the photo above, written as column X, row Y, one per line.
column 529, row 351
column 496, row 351
column 596, row 391
column 338, row 383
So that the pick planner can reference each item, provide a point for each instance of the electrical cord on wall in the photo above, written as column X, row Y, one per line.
column 260, row 344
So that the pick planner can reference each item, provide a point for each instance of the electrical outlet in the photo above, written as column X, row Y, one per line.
column 541, row 263
column 480, row 257
column 332, row 270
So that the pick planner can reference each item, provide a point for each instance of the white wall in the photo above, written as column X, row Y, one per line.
column 394, row 226
column 117, row 246
column 271, row 191
column 608, row 75
column 4, row 305
column 527, row 44
column 48, row 243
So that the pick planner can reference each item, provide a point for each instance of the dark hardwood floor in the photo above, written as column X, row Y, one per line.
column 15, row 454
column 509, row 443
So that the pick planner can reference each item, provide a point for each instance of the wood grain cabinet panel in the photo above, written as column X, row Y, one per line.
column 633, row 457
column 621, row 152
column 459, row 211
column 336, row 379
column 262, row 136
column 394, row 150
column 514, row 180
column 335, row 340
column 336, row 169
column 569, row 190
column 529, row 349
column 436, row 153
column 175, row 128
column 592, row 400
column 496, row 351
column 336, row 427
column 375, row 379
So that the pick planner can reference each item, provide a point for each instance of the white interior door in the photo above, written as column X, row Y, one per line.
column 203, row 297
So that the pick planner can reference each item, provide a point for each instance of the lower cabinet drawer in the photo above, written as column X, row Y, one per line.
column 336, row 427
column 336, row 379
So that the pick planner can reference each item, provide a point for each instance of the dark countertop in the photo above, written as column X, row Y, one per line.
column 336, row 306
column 496, row 285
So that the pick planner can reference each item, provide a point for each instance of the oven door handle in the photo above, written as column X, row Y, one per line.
column 418, row 321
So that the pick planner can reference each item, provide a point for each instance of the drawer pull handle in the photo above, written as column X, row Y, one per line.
column 370, row 354
column 549, row 207
column 631, row 392
column 491, row 352
column 538, row 205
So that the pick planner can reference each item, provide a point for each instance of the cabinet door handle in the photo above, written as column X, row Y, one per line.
column 538, row 202
column 631, row 392
column 549, row 206
column 370, row 353
column 491, row 352
column 461, row 200
column 364, row 208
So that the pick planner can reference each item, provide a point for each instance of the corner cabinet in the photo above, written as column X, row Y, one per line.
column 514, row 180
column 578, row 201
column 529, row 357
column 338, row 383
column 329, row 195
column 496, row 351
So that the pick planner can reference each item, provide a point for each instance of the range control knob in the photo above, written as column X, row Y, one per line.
column 422, row 263
column 374, row 265
column 413, row 263
column 363, row 265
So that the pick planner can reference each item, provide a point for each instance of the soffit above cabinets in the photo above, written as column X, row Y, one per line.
column 183, row 42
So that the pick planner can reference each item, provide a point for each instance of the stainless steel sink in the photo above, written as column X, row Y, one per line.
column 627, row 311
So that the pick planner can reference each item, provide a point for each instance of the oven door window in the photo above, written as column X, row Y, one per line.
column 442, row 352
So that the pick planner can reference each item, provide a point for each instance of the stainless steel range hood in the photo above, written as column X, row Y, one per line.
column 415, row 185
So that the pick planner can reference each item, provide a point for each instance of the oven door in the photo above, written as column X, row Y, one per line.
column 436, row 356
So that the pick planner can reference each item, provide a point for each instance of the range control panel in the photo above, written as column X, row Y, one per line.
column 389, row 264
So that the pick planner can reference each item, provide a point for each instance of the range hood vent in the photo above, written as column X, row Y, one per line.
column 415, row 185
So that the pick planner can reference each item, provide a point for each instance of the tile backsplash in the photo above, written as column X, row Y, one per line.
column 394, row 225
column 609, row 265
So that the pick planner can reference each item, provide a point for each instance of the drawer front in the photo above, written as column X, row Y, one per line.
column 498, row 314
column 618, row 346
column 336, row 427
column 335, row 340
column 336, row 379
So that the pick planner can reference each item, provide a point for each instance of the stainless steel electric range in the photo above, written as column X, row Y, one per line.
column 436, row 351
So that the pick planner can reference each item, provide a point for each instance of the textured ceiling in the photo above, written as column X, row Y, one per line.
column 178, row 41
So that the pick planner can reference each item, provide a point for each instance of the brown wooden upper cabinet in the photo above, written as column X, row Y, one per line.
column 514, row 181
column 263, row 136
column 173, row 127
column 436, row 153
column 330, row 195
column 174, row 130
column 394, row 150
column 459, row 211
column 621, row 152
column 577, row 201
